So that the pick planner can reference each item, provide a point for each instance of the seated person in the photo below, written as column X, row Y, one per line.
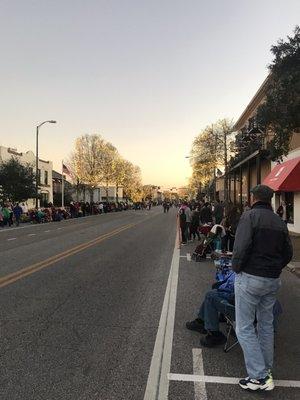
column 207, row 322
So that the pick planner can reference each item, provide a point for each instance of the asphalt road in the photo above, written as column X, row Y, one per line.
column 83, row 327
column 81, row 302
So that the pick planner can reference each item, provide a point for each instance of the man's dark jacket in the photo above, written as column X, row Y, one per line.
column 262, row 244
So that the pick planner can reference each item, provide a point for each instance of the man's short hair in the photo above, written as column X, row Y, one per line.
column 263, row 193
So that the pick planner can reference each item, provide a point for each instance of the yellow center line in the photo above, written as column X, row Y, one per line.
column 15, row 276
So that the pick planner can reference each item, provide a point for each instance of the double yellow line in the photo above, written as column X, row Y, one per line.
column 15, row 276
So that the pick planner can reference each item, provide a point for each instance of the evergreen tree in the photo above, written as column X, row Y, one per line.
column 279, row 116
column 17, row 181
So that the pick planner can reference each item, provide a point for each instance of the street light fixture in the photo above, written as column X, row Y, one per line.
column 37, row 161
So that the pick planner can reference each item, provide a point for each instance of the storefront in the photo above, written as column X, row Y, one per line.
column 284, row 179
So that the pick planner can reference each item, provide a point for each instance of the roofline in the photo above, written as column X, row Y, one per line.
column 260, row 94
column 250, row 157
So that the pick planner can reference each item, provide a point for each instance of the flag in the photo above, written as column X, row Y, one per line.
column 65, row 170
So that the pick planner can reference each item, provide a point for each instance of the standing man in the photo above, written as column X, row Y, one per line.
column 206, row 214
column 17, row 213
column 218, row 212
column 262, row 249
column 188, row 214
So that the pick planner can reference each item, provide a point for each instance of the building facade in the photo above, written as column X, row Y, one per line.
column 256, row 167
column 44, row 168
column 99, row 194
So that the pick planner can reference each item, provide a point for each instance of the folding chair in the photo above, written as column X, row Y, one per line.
column 229, row 315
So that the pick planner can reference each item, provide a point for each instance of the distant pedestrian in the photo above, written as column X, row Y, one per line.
column 182, row 224
column 230, row 224
column 206, row 214
column 6, row 216
column 262, row 249
column 17, row 210
column 195, row 221
column 282, row 211
column 218, row 212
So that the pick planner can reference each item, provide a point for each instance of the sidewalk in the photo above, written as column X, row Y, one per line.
column 190, row 360
column 294, row 266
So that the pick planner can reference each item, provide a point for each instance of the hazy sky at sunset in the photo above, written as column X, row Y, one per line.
column 147, row 75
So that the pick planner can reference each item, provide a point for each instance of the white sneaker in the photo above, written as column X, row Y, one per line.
column 265, row 384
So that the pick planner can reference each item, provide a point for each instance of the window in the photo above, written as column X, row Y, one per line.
column 46, row 177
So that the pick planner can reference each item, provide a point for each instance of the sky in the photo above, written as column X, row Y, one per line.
column 147, row 75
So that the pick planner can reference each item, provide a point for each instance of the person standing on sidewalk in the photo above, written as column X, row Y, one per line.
column 17, row 213
column 262, row 249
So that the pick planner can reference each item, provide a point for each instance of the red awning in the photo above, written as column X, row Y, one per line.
column 285, row 177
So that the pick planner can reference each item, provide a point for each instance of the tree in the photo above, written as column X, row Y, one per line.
column 96, row 162
column 132, row 183
column 108, row 162
column 17, row 181
column 119, row 173
column 87, row 160
column 279, row 115
column 210, row 151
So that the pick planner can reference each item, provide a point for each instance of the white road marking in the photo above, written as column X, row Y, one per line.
column 11, row 239
column 59, row 229
column 47, row 231
column 198, row 369
column 188, row 257
column 32, row 234
column 158, row 383
column 223, row 379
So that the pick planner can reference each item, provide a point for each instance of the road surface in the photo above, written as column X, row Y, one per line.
column 88, row 312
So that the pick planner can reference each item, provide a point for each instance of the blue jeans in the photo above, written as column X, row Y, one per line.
column 211, row 307
column 255, row 296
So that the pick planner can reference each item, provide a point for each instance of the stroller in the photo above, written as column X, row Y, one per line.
column 205, row 247
column 210, row 241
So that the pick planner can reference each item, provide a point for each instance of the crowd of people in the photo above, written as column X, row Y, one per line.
column 198, row 217
column 261, row 248
column 11, row 213
column 15, row 213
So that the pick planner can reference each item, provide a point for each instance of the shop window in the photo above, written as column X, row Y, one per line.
column 289, row 201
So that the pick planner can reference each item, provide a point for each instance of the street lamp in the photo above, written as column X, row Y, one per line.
column 37, row 161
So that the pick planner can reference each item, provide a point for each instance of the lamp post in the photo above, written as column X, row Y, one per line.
column 37, row 162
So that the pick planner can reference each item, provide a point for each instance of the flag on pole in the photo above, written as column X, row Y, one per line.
column 65, row 169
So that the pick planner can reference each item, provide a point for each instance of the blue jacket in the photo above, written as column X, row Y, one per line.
column 18, row 211
column 228, row 284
